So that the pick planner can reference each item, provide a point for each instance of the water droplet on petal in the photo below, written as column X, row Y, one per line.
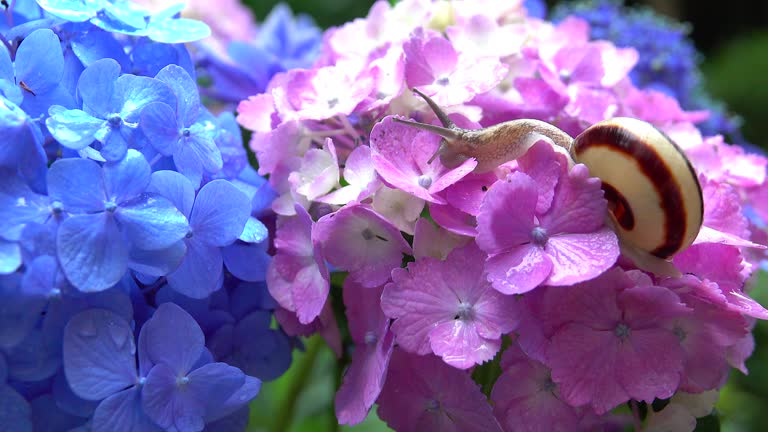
column 88, row 329
column 118, row 334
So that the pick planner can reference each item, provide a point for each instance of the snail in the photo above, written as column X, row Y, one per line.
column 654, row 196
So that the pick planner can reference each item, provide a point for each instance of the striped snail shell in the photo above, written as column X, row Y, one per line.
column 655, row 201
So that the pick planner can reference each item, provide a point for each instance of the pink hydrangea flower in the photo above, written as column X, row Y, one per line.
column 424, row 394
column 359, row 240
column 449, row 308
column 615, row 341
column 717, row 277
column 526, row 399
column 257, row 113
column 318, row 173
column 545, row 228
column 480, row 36
column 297, row 277
column 401, row 154
column 724, row 221
column 318, row 94
column 398, row 207
column 374, row 343
column 434, row 66
column 360, row 176
column 432, row 241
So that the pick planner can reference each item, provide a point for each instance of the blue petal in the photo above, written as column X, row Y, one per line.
column 248, row 297
column 200, row 273
column 96, row 86
column 173, row 338
column 19, row 312
column 174, row 187
column 123, row 412
column 152, row 222
column 34, row 359
column 157, row 262
column 37, row 105
column 182, row 408
column 6, row 65
column 220, row 213
column 247, row 262
column 254, row 231
column 133, row 92
column 10, row 256
column 99, row 354
column 149, row 57
column 18, row 206
column 48, row 417
column 72, row 10
column 92, row 252
column 115, row 142
column 73, row 129
column 122, row 17
column 158, row 122
column 39, row 61
column 179, row 30
column 234, row 422
column 127, row 178
column 185, row 89
column 68, row 401
column 260, row 351
column 77, row 184
column 96, row 44
column 14, row 410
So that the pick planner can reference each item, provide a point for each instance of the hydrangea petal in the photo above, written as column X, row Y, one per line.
column 152, row 222
column 92, row 251
column 77, row 184
column 96, row 86
column 14, row 410
column 158, row 121
column 39, row 61
column 74, row 129
column 123, row 411
column 579, row 257
column 220, row 213
column 173, row 338
column 174, row 187
column 99, row 354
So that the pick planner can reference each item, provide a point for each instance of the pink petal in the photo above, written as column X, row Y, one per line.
column 519, row 270
column 506, row 214
column 460, row 345
column 580, row 257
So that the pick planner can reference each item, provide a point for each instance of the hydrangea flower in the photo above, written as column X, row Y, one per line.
column 96, row 227
column 545, row 225
column 449, row 308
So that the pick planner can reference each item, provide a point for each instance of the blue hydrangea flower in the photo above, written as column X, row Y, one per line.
column 176, row 385
column 110, row 213
column 183, row 129
column 37, row 69
column 111, row 108
column 217, row 217
column 283, row 42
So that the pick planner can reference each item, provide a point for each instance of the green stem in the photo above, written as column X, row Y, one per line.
column 287, row 407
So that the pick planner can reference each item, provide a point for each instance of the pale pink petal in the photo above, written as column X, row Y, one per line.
column 430, row 240
column 579, row 257
column 519, row 270
column 460, row 345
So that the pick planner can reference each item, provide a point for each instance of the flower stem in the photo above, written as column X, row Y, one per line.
column 638, row 423
column 287, row 407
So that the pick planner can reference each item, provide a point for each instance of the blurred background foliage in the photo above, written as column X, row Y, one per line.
column 732, row 37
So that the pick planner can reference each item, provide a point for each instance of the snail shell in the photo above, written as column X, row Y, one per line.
column 653, row 191
column 655, row 201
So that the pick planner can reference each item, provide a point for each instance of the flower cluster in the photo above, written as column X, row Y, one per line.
column 452, row 271
column 133, row 244
column 668, row 60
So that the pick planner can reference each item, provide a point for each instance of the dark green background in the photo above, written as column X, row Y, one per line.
column 733, row 37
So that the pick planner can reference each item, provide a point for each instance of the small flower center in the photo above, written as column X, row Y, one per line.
column 565, row 75
column 181, row 381
column 114, row 119
column 186, row 132
column 443, row 81
column 432, row 405
column 464, row 312
column 370, row 338
column 367, row 234
column 57, row 208
column 680, row 333
column 425, row 181
column 333, row 102
column 110, row 206
column 141, row 381
column 539, row 236
column 548, row 385
column 622, row 331
column 188, row 234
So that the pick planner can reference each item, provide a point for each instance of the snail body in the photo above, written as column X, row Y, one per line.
column 654, row 197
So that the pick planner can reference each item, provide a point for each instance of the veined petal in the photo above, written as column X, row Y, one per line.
column 220, row 213
column 39, row 61
column 152, row 222
column 92, row 251
column 158, row 122
column 74, row 129
column 97, row 84
column 126, row 178
column 123, row 412
column 185, row 89
column 99, row 354
column 173, row 338
column 175, row 188
column 77, row 184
